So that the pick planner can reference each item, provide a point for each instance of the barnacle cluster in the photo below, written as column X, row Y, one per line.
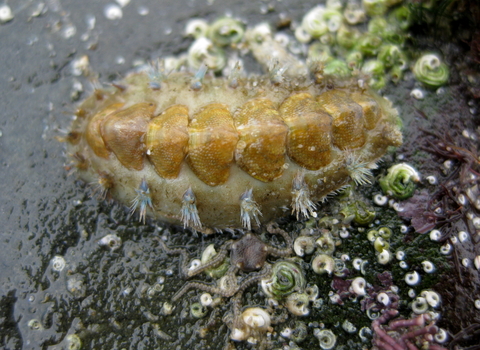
column 337, row 36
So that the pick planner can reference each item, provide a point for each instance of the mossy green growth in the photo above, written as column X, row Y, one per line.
column 337, row 68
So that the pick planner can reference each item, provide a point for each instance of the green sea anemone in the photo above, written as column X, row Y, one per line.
column 400, row 181
column 287, row 277
column 431, row 71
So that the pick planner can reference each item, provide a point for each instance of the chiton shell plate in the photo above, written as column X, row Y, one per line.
column 221, row 141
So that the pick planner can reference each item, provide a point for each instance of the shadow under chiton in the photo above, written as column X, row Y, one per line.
column 220, row 156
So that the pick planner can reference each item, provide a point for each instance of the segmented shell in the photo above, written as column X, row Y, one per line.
column 93, row 131
column 348, row 130
column 309, row 139
column 167, row 141
column 123, row 132
column 220, row 143
column 261, row 148
column 212, row 143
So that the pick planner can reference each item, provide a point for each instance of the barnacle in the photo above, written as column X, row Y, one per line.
column 197, row 310
column 430, row 70
column 392, row 55
column 73, row 342
column 375, row 7
column 226, row 31
column 326, row 338
column 400, row 181
column 297, row 304
column 323, row 263
column 197, row 28
column 338, row 68
column 347, row 37
column 304, row 245
column 203, row 51
column 256, row 318
column 369, row 44
column 376, row 70
column 314, row 22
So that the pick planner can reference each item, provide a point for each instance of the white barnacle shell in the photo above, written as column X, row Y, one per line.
column 420, row 305
column 304, row 245
column 73, row 342
column 286, row 332
column 207, row 254
column 112, row 241
column 349, row 327
column 297, row 304
column 433, row 298
column 167, row 309
column 58, row 263
column 6, row 14
column 202, row 51
column 383, row 298
column 312, row 292
column 206, row 299
column 463, row 236
column 314, row 22
column 323, row 263
column 417, row 94
column 302, row 35
column 380, row 199
column 446, row 249
column 195, row 264
column 432, row 180
column 238, row 334
column 428, row 266
column 326, row 338
column 441, row 336
column 325, row 243
column 357, row 263
column 384, row 257
column 358, row 286
column 256, row 318
column 435, row 235
column 412, row 278
column 226, row 283
column 476, row 262
column 196, row 27
column 400, row 255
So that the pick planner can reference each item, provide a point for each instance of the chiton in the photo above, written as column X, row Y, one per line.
column 213, row 154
